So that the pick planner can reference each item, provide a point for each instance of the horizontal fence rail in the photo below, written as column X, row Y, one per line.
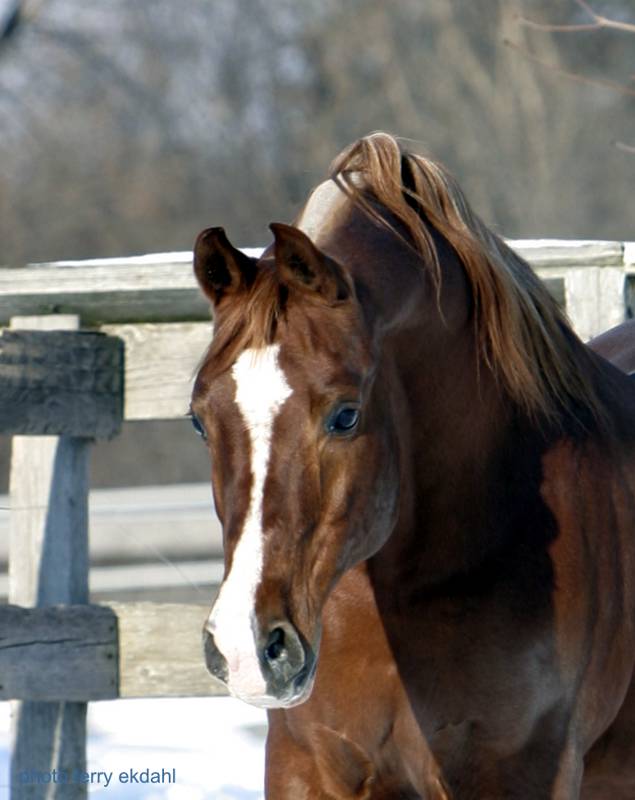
column 153, row 305
column 161, row 287
column 96, row 652
column 151, row 288
column 86, row 346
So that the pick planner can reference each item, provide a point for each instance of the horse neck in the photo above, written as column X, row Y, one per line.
column 458, row 434
column 462, row 469
column 458, row 417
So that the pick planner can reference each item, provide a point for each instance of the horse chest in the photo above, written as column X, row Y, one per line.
column 419, row 705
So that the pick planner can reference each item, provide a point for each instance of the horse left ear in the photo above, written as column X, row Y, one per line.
column 220, row 268
column 302, row 264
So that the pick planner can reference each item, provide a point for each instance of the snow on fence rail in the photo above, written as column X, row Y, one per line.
column 89, row 344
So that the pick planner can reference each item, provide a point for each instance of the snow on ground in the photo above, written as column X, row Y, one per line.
column 214, row 745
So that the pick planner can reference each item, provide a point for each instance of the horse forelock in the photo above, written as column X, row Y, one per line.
column 253, row 320
column 522, row 334
column 248, row 321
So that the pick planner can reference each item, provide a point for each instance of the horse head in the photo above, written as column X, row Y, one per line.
column 304, row 481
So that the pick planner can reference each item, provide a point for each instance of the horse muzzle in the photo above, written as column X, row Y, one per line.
column 278, row 672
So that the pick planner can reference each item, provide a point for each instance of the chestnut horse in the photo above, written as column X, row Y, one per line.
column 427, row 489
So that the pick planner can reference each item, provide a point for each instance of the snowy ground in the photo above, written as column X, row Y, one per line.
column 214, row 745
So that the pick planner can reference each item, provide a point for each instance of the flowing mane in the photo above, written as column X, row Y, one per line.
column 523, row 336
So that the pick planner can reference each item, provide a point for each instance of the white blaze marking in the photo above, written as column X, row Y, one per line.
column 261, row 389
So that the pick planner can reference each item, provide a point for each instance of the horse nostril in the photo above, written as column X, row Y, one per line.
column 287, row 662
column 214, row 659
column 275, row 645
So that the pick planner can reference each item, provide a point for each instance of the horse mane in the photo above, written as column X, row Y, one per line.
column 522, row 334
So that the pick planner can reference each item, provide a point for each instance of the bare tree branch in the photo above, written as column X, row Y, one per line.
column 599, row 22
column 552, row 28
column 14, row 20
column 605, row 22
column 574, row 76
column 11, row 22
column 625, row 148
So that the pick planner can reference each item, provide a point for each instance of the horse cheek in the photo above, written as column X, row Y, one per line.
column 378, row 501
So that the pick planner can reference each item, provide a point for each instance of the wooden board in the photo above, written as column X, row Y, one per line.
column 161, row 287
column 160, row 366
column 48, row 547
column 103, row 293
column 595, row 299
column 60, row 382
column 158, row 287
column 558, row 254
column 95, row 652
column 58, row 653
column 48, row 564
column 161, row 651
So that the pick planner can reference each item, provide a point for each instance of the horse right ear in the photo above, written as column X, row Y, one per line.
column 220, row 268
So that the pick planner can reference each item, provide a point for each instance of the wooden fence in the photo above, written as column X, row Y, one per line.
column 83, row 346
column 146, row 542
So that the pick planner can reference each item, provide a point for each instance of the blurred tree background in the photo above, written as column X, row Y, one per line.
column 126, row 127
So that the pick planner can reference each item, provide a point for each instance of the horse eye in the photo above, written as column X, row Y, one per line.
column 344, row 420
column 198, row 426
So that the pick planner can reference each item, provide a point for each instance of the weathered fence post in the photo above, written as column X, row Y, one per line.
column 48, row 564
column 595, row 299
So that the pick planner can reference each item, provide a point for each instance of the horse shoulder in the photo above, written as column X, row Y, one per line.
column 590, row 490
